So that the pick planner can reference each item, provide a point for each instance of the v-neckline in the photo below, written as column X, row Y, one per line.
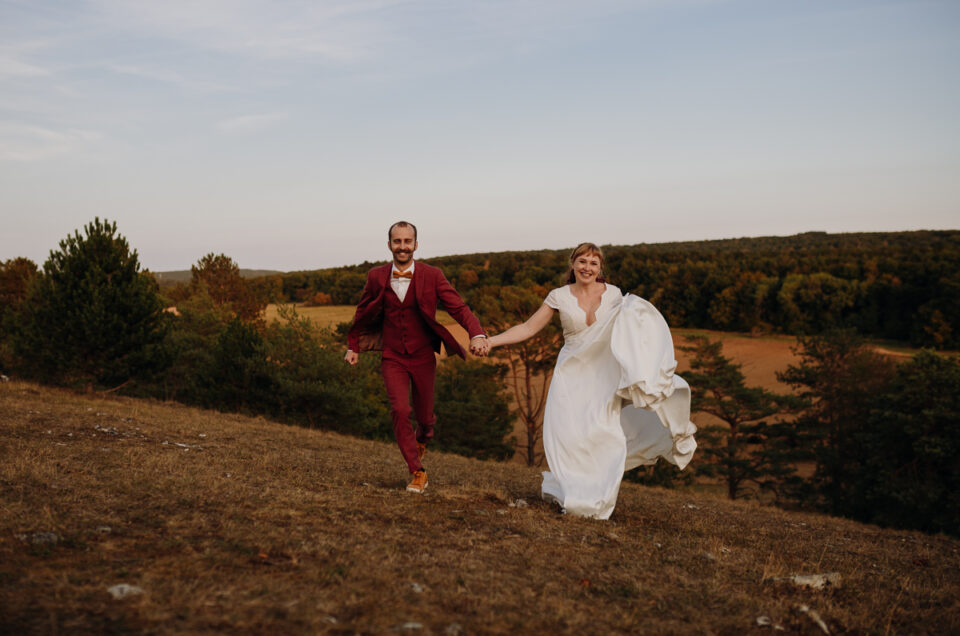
column 586, row 316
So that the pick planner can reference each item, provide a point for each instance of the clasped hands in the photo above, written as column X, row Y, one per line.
column 480, row 346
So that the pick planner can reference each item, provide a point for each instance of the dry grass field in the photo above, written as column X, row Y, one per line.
column 331, row 315
column 219, row 523
column 325, row 316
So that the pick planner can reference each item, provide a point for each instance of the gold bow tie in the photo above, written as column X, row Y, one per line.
column 403, row 275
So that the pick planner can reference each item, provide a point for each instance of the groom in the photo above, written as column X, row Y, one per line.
column 397, row 315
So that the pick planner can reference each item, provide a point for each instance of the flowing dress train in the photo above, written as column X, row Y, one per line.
column 614, row 402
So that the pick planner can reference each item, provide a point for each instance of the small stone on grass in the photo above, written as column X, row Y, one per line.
column 124, row 590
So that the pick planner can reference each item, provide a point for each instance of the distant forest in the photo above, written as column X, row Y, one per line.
column 890, row 285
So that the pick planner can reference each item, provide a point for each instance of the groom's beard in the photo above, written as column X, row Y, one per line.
column 402, row 257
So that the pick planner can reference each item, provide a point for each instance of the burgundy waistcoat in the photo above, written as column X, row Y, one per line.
column 404, row 329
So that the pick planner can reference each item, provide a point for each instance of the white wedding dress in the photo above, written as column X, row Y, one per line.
column 614, row 402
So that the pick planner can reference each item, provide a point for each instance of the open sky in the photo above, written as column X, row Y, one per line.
column 288, row 134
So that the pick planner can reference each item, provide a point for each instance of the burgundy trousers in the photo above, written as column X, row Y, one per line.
column 400, row 372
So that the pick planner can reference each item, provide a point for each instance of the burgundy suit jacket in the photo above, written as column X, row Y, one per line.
column 431, row 289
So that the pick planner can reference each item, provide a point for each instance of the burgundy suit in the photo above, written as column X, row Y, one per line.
column 408, row 334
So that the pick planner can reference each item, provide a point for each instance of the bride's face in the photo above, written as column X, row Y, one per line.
column 586, row 268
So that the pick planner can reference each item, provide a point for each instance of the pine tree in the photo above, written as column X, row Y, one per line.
column 836, row 378
column 91, row 318
column 910, row 449
column 745, row 448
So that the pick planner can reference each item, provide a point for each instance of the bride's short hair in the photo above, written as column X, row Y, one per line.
column 585, row 248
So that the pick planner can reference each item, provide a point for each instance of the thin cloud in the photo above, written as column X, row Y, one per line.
column 13, row 67
column 14, row 61
column 249, row 123
column 354, row 31
column 334, row 32
column 165, row 76
column 29, row 143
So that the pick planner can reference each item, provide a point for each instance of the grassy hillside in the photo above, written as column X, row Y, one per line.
column 235, row 524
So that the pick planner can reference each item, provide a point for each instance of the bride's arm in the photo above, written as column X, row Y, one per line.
column 519, row 333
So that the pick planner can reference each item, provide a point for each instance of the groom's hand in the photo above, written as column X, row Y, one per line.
column 351, row 357
column 479, row 346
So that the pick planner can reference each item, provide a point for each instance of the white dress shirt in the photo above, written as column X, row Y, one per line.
column 401, row 285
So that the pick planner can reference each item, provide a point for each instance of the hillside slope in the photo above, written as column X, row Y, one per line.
column 234, row 524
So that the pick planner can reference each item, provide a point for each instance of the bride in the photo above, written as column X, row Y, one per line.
column 614, row 402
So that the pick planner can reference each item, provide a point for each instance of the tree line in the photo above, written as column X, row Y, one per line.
column 892, row 285
column 880, row 440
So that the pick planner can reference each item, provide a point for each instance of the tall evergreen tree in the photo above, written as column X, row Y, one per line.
column 745, row 448
column 910, row 449
column 836, row 378
column 91, row 318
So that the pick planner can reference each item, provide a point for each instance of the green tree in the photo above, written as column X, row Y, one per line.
column 15, row 277
column 91, row 317
column 221, row 278
column 817, row 302
column 189, row 346
column 267, row 289
column 910, row 449
column 238, row 377
column 835, row 377
column 745, row 448
column 472, row 409
column 347, row 289
column 314, row 388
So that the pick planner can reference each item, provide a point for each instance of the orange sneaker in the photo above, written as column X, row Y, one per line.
column 419, row 482
column 421, row 451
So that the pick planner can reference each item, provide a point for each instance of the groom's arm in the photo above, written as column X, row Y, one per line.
column 361, row 316
column 457, row 308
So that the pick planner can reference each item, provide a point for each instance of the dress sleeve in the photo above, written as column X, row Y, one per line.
column 553, row 299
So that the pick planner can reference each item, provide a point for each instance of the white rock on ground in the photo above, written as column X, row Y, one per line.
column 124, row 590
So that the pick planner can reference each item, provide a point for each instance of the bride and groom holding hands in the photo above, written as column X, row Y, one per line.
column 614, row 402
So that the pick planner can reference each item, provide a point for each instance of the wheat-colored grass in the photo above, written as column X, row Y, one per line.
column 240, row 525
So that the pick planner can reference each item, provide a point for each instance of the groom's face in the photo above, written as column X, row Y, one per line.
column 402, row 244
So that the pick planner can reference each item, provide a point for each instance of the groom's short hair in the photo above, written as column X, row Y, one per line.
column 401, row 224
